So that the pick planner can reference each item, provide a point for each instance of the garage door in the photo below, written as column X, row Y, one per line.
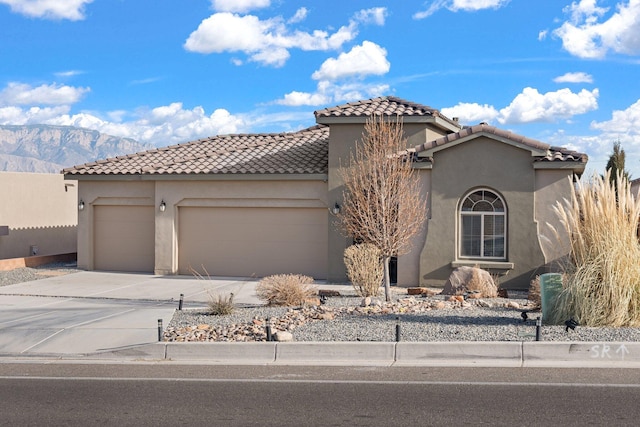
column 124, row 238
column 253, row 242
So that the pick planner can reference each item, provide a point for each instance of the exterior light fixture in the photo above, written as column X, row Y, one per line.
column 81, row 205
column 163, row 206
column 335, row 209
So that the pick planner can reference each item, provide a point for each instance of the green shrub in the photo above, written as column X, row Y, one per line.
column 601, row 286
column 364, row 268
column 285, row 289
column 220, row 305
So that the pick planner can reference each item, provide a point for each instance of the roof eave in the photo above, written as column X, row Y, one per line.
column 535, row 152
column 576, row 167
column 434, row 120
column 202, row 177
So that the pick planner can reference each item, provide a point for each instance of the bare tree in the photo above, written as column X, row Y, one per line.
column 382, row 201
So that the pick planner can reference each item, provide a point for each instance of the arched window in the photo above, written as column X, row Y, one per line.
column 482, row 226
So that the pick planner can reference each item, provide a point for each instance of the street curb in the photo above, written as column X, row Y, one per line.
column 462, row 353
column 335, row 353
column 581, row 354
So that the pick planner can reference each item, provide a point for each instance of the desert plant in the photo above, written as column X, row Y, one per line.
column 601, row 286
column 285, row 289
column 220, row 305
column 364, row 268
column 534, row 292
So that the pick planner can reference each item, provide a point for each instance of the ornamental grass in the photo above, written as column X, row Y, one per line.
column 286, row 289
column 601, row 285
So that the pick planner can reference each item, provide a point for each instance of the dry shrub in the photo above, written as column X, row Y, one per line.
column 485, row 286
column 601, row 286
column 364, row 268
column 534, row 292
column 220, row 305
column 285, row 289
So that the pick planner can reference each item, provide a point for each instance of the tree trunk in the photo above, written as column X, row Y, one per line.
column 387, row 280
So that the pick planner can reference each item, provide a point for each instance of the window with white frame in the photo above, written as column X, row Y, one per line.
column 483, row 226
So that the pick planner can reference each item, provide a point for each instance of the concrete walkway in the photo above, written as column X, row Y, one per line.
column 87, row 312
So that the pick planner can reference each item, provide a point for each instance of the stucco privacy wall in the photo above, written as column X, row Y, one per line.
column 504, row 169
column 39, row 210
column 342, row 140
column 552, row 187
column 256, row 191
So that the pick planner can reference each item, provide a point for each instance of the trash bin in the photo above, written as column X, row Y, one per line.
column 550, row 289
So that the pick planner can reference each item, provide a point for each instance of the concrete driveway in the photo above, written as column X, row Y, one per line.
column 90, row 311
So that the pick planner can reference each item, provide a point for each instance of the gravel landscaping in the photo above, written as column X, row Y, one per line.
column 28, row 274
column 345, row 318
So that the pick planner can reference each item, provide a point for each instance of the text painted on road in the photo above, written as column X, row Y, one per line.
column 606, row 351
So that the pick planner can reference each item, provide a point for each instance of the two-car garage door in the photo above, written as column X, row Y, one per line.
column 252, row 241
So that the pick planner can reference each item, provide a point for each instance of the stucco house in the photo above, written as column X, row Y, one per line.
column 260, row 204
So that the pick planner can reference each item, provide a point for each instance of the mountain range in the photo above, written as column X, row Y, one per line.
column 49, row 149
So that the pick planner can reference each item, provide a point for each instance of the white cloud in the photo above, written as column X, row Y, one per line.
column 460, row 5
column 265, row 41
column 328, row 93
column 471, row 113
column 623, row 122
column 542, row 35
column 533, row 106
column 160, row 126
column 363, row 60
column 376, row 15
column 23, row 94
column 299, row 16
column 295, row 99
column 68, row 73
column 72, row 10
column 583, row 35
column 21, row 104
column 578, row 77
column 18, row 116
column 240, row 6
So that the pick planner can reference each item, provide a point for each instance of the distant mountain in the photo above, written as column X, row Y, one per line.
column 49, row 149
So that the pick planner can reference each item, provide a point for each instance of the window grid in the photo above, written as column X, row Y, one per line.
column 482, row 226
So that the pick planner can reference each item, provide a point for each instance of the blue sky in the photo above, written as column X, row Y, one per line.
column 169, row 71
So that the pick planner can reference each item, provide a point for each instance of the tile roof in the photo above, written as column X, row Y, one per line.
column 552, row 154
column 386, row 106
column 305, row 151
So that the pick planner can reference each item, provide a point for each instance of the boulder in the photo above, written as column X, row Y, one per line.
column 283, row 336
column 468, row 279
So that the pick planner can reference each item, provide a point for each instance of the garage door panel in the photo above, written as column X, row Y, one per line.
column 253, row 241
column 124, row 238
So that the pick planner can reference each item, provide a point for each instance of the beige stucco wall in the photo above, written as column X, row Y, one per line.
column 482, row 163
column 40, row 211
column 409, row 264
column 341, row 142
column 258, row 192
column 552, row 186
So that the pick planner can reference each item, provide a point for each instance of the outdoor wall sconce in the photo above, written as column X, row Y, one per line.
column 81, row 205
column 335, row 209
column 163, row 206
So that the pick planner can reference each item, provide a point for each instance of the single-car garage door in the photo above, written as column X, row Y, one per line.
column 124, row 238
column 253, row 242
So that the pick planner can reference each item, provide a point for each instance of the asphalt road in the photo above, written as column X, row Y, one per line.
column 165, row 394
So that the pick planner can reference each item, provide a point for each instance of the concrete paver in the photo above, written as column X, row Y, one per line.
column 86, row 312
